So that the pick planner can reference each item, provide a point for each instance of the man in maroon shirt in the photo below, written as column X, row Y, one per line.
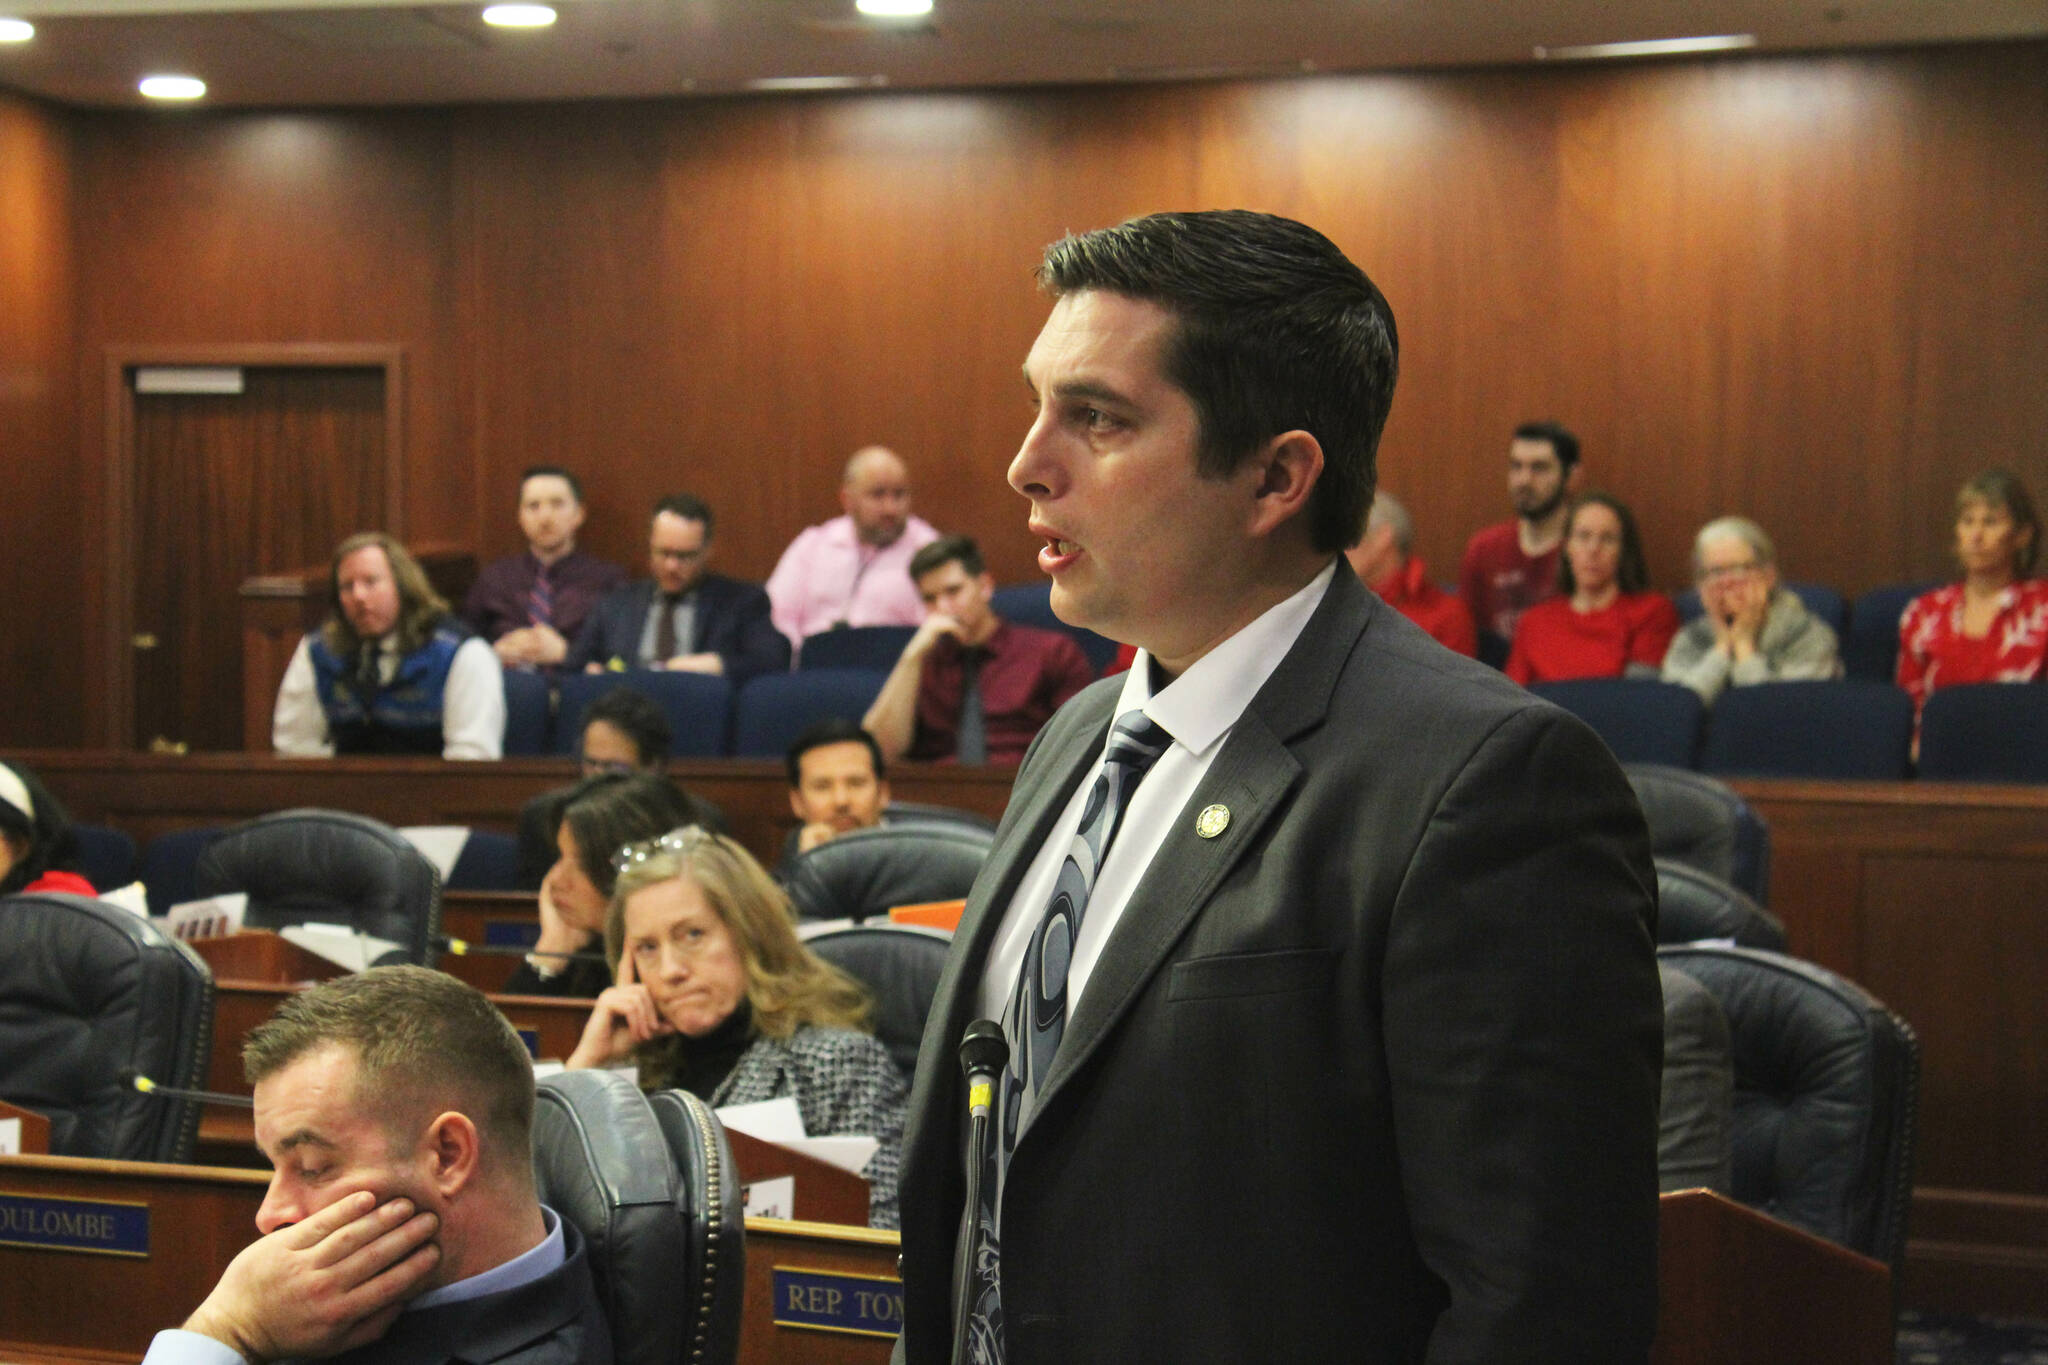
column 1512, row 566
column 531, row 605
column 970, row 687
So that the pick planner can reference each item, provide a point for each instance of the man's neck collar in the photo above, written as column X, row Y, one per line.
column 547, row 561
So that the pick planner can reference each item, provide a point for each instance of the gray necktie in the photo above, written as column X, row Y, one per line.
column 970, row 744
column 1036, row 1018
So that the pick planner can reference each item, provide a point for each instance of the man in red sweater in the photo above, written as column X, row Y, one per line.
column 1383, row 562
column 1511, row 566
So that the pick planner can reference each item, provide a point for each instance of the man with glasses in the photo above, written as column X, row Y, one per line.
column 1750, row 629
column 682, row 619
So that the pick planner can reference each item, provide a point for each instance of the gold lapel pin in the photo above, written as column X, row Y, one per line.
column 1212, row 821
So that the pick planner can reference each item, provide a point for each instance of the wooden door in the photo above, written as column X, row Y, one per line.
column 227, row 486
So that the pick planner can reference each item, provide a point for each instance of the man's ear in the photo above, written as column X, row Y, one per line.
column 1289, row 466
column 453, row 1153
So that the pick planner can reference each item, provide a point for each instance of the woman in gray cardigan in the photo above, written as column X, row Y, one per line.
column 1750, row 629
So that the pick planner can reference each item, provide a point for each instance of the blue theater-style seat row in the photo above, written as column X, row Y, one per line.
column 1854, row 728
column 710, row 718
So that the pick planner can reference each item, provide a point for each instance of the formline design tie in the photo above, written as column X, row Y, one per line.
column 1036, row 1017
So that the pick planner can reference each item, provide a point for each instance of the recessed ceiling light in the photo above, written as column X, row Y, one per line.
column 1654, row 47
column 16, row 30
column 172, row 87
column 893, row 9
column 520, row 16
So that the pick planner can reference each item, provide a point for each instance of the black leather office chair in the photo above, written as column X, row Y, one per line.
column 328, row 867
column 1696, row 1103
column 1826, row 1092
column 868, row 871
column 1702, row 821
column 1692, row 905
column 87, row 992
column 900, row 965
column 600, row 1160
column 708, row 1186
column 923, row 813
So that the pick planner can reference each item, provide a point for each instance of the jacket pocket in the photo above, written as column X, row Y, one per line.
column 1275, row 973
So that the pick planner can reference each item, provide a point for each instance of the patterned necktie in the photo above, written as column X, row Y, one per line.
column 540, row 603
column 970, row 744
column 1036, row 1018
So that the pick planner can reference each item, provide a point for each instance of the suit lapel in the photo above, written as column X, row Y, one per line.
column 1251, row 777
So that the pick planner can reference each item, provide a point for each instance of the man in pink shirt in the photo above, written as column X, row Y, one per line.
column 854, row 570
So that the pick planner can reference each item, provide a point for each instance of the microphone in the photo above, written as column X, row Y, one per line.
column 136, row 1080
column 984, row 1052
column 462, row 947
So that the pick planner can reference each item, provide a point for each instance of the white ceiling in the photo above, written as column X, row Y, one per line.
column 337, row 52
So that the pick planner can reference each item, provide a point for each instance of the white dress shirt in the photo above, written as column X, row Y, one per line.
column 472, row 705
column 1198, row 709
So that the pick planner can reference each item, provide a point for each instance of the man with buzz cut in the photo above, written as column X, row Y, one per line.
column 530, row 606
column 1322, row 954
column 401, row 1226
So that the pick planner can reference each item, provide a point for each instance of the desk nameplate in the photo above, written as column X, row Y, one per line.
column 99, row 1227
column 835, row 1301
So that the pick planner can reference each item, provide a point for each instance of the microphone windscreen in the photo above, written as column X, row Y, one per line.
column 983, row 1047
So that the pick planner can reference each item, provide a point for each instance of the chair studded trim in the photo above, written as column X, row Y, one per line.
column 714, row 1210
column 708, row 1200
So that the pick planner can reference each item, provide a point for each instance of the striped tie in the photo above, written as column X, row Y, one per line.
column 540, row 603
column 1036, row 1018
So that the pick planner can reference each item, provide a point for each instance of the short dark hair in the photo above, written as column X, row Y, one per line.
column 611, row 810
column 44, row 830
column 831, row 730
column 552, row 471
column 422, row 1039
column 2003, row 488
column 689, row 507
column 946, row 550
column 1634, row 573
column 1561, row 440
column 639, row 718
column 1277, row 331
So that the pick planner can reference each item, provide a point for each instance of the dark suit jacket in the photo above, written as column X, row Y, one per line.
column 555, row 1320
column 1370, row 1076
column 732, row 622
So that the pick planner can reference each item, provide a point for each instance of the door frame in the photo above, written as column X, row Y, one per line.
column 117, row 720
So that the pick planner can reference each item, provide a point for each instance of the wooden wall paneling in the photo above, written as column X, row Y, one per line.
column 42, row 531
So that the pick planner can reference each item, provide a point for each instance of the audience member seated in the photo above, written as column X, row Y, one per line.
column 1511, row 566
column 717, row 996
column 532, row 605
column 624, row 731
column 594, row 820
column 854, row 569
column 837, row 783
column 391, row 671
column 401, row 1223
column 1992, row 626
column 1606, row 623
column 38, row 851
column 970, row 686
column 1750, row 629
column 682, row 618
column 1383, row 561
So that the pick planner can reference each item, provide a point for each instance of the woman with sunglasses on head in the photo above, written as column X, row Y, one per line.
column 591, row 822
column 716, row 995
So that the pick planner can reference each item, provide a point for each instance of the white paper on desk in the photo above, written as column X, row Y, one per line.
column 132, row 898
column 214, row 917
column 772, row 1198
column 846, row 1151
column 440, row 844
column 811, row 928
column 339, row 944
column 777, row 1121
column 10, row 1139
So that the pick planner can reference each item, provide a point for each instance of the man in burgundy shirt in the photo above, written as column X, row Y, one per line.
column 1383, row 562
column 531, row 605
column 1512, row 566
column 970, row 687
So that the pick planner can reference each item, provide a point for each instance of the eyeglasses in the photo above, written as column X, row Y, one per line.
column 1721, row 572
column 593, row 767
column 675, row 841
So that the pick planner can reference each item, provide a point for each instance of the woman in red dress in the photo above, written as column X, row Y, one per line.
column 1992, row 626
column 37, row 848
column 1605, row 621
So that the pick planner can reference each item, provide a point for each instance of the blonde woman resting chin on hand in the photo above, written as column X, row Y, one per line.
column 715, row 994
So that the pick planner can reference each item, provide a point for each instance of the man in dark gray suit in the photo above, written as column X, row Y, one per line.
column 682, row 619
column 1323, row 954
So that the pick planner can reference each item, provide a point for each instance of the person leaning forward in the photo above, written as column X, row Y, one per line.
column 1352, row 1051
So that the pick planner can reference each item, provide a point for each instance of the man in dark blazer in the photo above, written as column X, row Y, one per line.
column 1347, row 1046
column 682, row 619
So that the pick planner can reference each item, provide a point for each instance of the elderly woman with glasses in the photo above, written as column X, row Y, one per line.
column 1750, row 629
column 716, row 995
column 588, row 824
